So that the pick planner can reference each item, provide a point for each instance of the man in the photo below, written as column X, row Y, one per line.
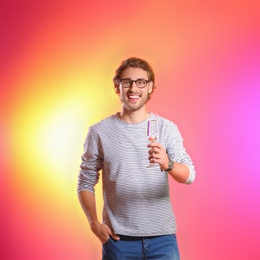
column 138, row 220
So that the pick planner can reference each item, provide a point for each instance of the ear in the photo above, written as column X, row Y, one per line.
column 117, row 90
column 150, row 87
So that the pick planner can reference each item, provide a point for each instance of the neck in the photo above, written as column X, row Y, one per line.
column 133, row 117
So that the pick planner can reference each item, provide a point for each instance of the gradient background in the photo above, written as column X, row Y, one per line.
column 57, row 63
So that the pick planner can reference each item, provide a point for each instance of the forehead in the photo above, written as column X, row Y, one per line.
column 134, row 73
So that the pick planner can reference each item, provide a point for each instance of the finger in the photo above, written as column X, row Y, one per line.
column 115, row 236
column 150, row 152
column 112, row 234
column 154, row 153
column 151, row 160
column 152, row 145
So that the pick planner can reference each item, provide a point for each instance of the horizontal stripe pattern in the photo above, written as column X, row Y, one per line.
column 136, row 199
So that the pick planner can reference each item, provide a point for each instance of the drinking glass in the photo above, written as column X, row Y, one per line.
column 152, row 132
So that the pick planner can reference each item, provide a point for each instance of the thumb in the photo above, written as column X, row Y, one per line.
column 112, row 234
column 115, row 236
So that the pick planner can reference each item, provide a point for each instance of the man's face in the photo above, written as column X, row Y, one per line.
column 134, row 98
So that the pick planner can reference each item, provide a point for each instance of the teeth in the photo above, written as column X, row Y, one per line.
column 133, row 96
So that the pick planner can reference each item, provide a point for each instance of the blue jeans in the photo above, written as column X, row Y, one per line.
column 140, row 248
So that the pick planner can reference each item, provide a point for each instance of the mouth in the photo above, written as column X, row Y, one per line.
column 133, row 98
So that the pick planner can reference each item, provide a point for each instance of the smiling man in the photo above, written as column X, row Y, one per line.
column 138, row 219
column 134, row 90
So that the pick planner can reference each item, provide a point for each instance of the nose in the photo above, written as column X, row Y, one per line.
column 133, row 85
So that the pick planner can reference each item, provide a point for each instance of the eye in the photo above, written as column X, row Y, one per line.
column 126, row 81
column 141, row 81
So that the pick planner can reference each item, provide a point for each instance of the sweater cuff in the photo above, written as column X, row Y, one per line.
column 192, row 174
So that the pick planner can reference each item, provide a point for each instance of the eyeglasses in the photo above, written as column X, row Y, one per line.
column 140, row 83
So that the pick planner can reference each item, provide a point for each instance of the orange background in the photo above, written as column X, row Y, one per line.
column 57, row 63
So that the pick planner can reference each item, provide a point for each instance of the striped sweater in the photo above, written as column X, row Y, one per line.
column 136, row 199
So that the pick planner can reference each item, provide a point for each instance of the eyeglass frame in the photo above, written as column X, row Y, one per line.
column 134, row 81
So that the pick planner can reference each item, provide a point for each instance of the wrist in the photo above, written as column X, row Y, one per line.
column 169, row 167
column 94, row 224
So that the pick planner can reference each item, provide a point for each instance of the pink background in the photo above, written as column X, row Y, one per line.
column 57, row 63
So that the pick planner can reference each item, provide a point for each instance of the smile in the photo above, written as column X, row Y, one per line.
column 133, row 96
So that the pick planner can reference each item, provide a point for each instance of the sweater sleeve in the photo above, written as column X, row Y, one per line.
column 177, row 152
column 192, row 175
column 91, row 163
